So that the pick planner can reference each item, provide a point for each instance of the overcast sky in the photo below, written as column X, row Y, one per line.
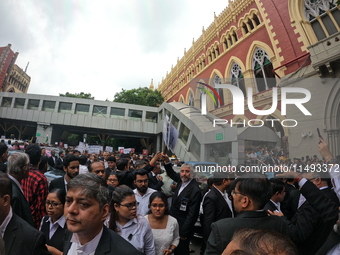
column 101, row 46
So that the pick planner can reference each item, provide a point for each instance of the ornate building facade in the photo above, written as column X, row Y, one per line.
column 12, row 77
column 259, row 45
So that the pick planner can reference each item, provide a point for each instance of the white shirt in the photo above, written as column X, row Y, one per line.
column 335, row 175
column 166, row 186
column 166, row 237
column 143, row 201
column 184, row 184
column 85, row 249
column 335, row 250
column 277, row 205
column 54, row 226
column 4, row 224
column 225, row 196
column 83, row 169
column 137, row 231
column 201, row 206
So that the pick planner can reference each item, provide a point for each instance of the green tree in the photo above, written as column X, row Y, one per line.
column 140, row 96
column 77, row 95
column 73, row 139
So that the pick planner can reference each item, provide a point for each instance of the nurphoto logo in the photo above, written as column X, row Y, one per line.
column 238, row 101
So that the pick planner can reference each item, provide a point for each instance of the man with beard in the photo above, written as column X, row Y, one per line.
column 71, row 168
column 142, row 192
column 185, row 203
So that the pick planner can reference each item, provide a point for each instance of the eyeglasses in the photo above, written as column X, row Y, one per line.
column 112, row 180
column 53, row 204
column 142, row 181
column 233, row 192
column 158, row 205
column 130, row 206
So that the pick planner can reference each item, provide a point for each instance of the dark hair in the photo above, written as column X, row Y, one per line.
column 6, row 185
column 162, row 196
column 111, row 158
column 219, row 177
column 61, row 194
column 43, row 163
column 120, row 193
column 34, row 153
column 210, row 182
column 277, row 185
column 122, row 163
column 113, row 173
column 60, row 152
column 240, row 252
column 141, row 172
column 256, row 187
column 69, row 158
column 3, row 148
column 92, row 185
column 263, row 242
column 82, row 160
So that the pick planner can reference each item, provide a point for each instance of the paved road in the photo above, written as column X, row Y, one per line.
column 196, row 245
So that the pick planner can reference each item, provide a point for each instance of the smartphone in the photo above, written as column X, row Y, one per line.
column 319, row 133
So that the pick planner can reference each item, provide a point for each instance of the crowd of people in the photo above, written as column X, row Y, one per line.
column 258, row 155
column 112, row 203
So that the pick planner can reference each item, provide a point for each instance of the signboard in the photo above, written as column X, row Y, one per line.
column 81, row 147
column 95, row 149
column 109, row 149
column 219, row 136
column 173, row 136
column 145, row 152
column 170, row 134
column 127, row 150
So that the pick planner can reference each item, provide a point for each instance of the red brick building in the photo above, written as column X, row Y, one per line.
column 12, row 77
column 261, row 45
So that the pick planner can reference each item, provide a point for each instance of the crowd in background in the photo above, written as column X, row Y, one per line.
column 111, row 203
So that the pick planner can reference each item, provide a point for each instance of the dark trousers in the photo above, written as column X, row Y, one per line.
column 183, row 247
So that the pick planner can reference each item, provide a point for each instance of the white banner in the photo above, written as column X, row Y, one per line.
column 95, row 149
column 109, row 149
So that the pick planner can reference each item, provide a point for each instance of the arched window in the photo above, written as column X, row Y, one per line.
column 191, row 99
column 237, row 77
column 275, row 126
column 256, row 19
column 324, row 17
column 263, row 70
column 217, row 80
